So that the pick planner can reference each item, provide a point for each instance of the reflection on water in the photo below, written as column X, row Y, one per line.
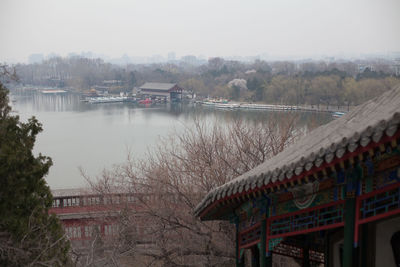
column 96, row 136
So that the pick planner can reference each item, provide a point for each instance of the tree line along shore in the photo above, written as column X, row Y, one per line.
column 308, row 83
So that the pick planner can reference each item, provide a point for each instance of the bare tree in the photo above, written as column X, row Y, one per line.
column 158, row 227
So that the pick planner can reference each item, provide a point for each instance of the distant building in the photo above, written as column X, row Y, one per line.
column 171, row 56
column 189, row 59
column 52, row 55
column 170, row 91
column 193, row 60
column 87, row 215
column 95, row 222
column 36, row 58
column 396, row 66
column 363, row 67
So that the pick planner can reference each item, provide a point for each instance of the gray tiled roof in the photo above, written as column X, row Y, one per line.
column 365, row 123
column 157, row 86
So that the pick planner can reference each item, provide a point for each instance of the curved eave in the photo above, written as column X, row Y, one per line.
column 222, row 208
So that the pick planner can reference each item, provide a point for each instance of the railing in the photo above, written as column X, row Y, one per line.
column 318, row 218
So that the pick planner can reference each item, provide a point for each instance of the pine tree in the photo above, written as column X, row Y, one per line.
column 28, row 234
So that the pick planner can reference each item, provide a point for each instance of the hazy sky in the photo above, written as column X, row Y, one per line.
column 208, row 27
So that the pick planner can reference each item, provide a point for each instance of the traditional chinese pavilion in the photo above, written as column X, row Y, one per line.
column 170, row 91
column 330, row 199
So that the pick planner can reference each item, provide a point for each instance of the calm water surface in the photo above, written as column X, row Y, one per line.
column 96, row 136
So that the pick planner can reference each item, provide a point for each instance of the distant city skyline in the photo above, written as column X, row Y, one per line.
column 171, row 57
column 275, row 29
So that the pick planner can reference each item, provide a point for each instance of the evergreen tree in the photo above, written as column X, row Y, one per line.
column 28, row 234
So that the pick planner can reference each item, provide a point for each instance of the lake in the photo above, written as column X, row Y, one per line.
column 96, row 136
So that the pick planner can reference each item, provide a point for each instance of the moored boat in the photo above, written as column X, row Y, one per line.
column 53, row 91
column 226, row 106
column 110, row 99
column 338, row 114
column 145, row 101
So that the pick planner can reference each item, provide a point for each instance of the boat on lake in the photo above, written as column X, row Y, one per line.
column 213, row 102
column 226, row 106
column 146, row 101
column 338, row 114
column 109, row 99
column 53, row 91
